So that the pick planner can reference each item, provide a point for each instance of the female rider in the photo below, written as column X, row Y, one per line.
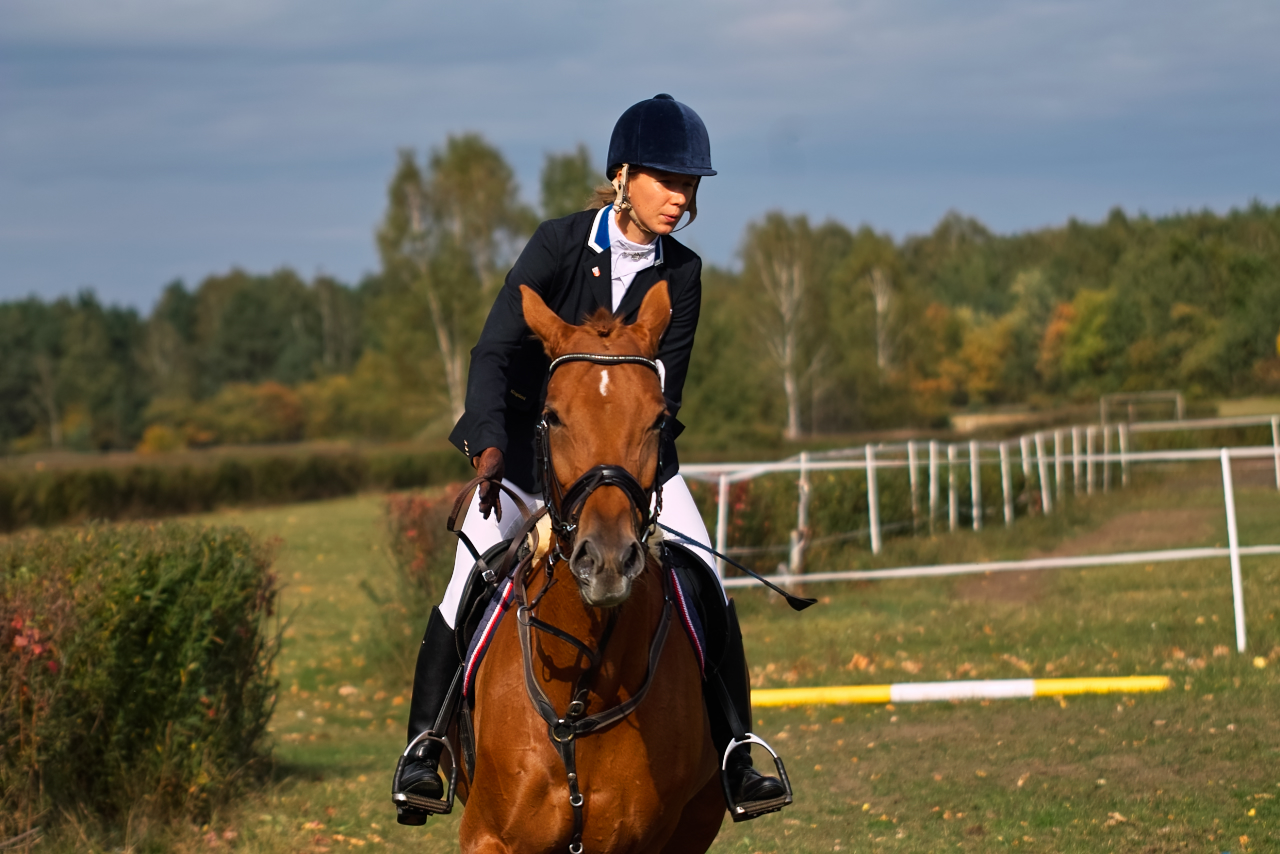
column 609, row 256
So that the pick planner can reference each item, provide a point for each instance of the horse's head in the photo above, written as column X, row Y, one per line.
column 603, row 415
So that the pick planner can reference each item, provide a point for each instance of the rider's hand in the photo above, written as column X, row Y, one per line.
column 489, row 463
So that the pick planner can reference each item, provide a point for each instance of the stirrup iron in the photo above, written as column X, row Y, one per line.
column 748, row 810
column 418, row 803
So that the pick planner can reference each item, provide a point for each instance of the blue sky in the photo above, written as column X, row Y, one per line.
column 147, row 140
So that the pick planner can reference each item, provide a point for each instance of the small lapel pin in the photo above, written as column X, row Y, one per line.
column 595, row 271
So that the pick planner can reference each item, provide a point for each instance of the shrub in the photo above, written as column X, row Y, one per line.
column 161, row 439
column 423, row 549
column 196, row 482
column 134, row 671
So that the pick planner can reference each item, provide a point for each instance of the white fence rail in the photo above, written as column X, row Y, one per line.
column 1083, row 456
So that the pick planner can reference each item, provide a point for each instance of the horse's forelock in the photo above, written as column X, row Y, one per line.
column 604, row 322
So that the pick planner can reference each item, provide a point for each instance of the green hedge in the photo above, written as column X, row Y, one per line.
column 144, row 490
column 134, row 672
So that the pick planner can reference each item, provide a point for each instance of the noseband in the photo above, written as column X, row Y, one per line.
column 564, row 506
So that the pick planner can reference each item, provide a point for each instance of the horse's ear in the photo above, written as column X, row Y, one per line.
column 655, row 314
column 544, row 322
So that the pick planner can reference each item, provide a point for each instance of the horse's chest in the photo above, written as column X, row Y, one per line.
column 645, row 767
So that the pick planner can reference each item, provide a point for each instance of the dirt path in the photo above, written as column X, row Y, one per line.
column 1141, row 530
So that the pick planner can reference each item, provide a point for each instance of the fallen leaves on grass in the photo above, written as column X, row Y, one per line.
column 1114, row 818
column 1017, row 662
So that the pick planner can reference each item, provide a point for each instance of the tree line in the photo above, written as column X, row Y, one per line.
column 824, row 328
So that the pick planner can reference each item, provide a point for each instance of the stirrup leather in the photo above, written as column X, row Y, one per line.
column 430, row 806
column 748, row 810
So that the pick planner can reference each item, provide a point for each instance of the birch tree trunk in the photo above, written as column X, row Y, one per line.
column 46, row 389
column 882, row 293
column 784, row 283
column 451, row 357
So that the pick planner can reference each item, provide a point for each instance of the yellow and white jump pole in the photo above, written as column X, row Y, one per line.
column 969, row 689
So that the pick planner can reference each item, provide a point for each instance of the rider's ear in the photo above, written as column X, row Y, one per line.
column 655, row 314
column 544, row 322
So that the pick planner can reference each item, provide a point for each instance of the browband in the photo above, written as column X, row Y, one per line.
column 604, row 359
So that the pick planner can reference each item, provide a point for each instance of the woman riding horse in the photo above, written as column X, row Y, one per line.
column 608, row 258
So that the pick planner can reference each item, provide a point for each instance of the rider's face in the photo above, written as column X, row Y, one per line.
column 658, row 200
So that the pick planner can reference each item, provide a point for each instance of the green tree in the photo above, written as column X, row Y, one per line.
column 446, row 235
column 788, row 268
column 568, row 182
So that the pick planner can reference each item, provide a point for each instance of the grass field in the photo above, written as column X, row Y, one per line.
column 1193, row 769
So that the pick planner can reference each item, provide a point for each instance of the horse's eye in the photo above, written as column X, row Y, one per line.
column 551, row 418
column 660, row 423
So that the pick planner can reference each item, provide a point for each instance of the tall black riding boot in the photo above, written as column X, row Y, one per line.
column 745, row 782
column 437, row 665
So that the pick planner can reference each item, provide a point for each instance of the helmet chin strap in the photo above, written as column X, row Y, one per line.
column 623, row 203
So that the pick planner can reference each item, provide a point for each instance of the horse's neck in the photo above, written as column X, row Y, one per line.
column 625, row 661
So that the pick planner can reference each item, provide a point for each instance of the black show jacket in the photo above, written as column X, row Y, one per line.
column 567, row 263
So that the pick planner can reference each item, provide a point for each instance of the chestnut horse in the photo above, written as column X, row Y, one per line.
column 649, row 781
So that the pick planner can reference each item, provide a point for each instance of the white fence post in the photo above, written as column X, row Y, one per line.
column 722, row 523
column 975, row 485
column 1106, row 458
column 1024, row 450
column 1046, row 499
column 1006, row 484
column 873, row 500
column 1122, row 431
column 1057, row 465
column 1275, row 443
column 953, row 500
column 913, row 462
column 801, row 533
column 1075, row 459
column 934, row 488
column 1233, row 542
column 1090, row 434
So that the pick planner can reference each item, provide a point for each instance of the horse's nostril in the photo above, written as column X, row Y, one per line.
column 634, row 561
column 585, row 558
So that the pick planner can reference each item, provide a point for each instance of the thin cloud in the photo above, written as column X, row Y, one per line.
column 266, row 122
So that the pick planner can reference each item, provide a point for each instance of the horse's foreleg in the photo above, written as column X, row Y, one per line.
column 700, row 821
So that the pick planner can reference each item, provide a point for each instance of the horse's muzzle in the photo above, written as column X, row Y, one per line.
column 604, row 572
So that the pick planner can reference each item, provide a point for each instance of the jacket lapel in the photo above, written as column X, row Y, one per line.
column 595, row 261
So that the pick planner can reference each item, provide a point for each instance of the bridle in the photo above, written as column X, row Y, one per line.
column 564, row 506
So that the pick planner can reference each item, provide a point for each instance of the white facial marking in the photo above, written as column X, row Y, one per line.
column 604, row 383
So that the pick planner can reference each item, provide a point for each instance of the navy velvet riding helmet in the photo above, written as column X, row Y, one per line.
column 661, row 133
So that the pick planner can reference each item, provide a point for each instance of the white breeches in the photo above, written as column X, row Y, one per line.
column 678, row 512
